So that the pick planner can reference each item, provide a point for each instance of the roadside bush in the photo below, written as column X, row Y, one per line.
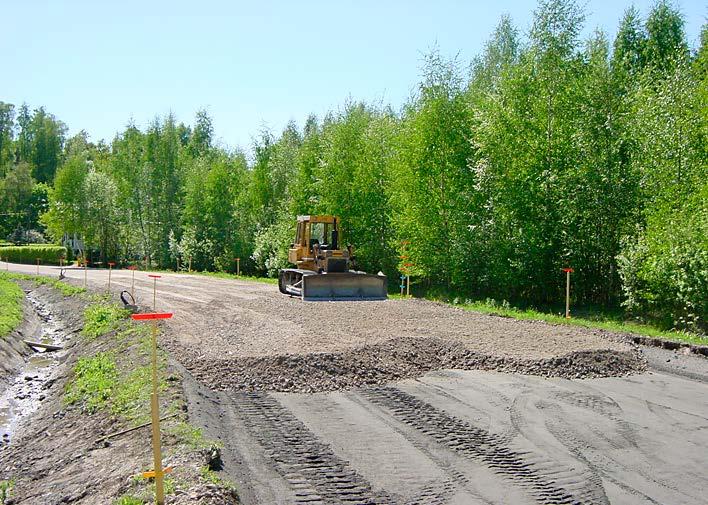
column 28, row 254
column 665, row 271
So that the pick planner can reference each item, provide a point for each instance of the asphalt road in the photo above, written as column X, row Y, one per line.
column 462, row 437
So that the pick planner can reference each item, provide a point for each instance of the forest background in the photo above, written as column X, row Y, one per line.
column 545, row 151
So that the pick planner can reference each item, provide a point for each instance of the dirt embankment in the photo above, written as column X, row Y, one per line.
column 57, row 455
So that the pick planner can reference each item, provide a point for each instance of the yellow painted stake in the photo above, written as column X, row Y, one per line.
column 157, row 455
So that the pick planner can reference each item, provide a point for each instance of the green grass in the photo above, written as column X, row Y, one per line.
column 217, row 275
column 5, row 489
column 42, row 280
column 189, row 435
column 94, row 382
column 601, row 320
column 11, row 296
column 102, row 317
column 128, row 499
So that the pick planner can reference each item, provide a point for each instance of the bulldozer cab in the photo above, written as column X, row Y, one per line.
column 317, row 231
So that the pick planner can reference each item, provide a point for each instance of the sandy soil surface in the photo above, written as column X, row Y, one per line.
column 455, row 437
column 237, row 334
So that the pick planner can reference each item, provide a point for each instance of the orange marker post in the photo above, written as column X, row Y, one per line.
column 110, row 268
column 567, row 291
column 132, row 284
column 157, row 472
column 154, row 290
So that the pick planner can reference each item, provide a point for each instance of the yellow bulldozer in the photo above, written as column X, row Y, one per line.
column 323, row 269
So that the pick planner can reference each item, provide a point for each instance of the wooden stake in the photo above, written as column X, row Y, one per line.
column 37, row 266
column 155, row 409
column 190, row 264
column 238, row 266
column 85, row 275
column 408, row 285
column 157, row 454
column 567, row 291
column 110, row 268
column 154, row 291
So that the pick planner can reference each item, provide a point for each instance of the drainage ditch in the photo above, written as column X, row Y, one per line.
column 28, row 388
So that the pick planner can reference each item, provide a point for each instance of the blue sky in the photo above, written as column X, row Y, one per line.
column 95, row 65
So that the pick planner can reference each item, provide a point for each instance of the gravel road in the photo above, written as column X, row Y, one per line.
column 245, row 335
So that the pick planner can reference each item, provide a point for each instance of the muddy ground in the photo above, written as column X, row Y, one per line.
column 591, row 418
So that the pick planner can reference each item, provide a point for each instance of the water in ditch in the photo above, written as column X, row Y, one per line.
column 28, row 388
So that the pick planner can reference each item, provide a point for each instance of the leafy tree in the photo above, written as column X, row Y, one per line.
column 666, row 41
column 629, row 58
column 68, row 201
column 433, row 186
column 47, row 141
column 15, row 200
column 7, row 127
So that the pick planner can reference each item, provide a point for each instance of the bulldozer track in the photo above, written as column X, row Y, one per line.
column 314, row 472
column 475, row 443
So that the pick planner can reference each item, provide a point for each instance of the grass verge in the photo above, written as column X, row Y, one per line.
column 597, row 320
column 10, row 306
column 42, row 280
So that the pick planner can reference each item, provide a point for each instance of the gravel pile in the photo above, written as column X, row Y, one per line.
column 246, row 336
column 393, row 360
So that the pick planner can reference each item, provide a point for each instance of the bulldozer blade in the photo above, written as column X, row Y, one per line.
column 343, row 286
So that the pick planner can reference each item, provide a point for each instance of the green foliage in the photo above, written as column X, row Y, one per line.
column 11, row 302
column 132, row 398
column 189, row 435
column 41, row 280
column 47, row 254
column 127, row 499
column 270, row 252
column 665, row 270
column 5, row 490
column 94, row 381
column 100, row 318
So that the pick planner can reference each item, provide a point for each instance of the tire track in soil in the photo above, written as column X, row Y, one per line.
column 315, row 473
column 478, row 444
